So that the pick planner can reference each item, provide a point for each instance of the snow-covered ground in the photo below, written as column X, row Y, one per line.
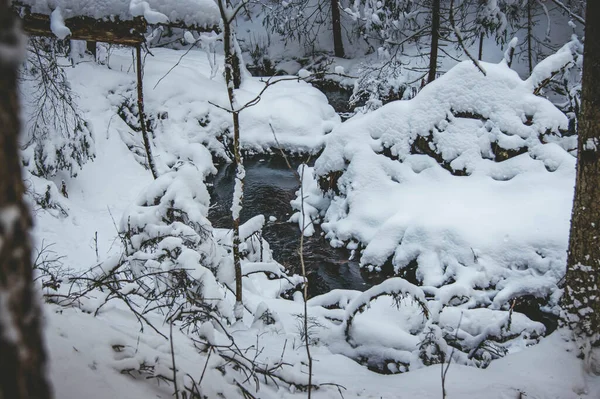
column 480, row 199
column 85, row 363
column 503, row 226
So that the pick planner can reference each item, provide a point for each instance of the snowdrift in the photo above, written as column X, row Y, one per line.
column 468, row 186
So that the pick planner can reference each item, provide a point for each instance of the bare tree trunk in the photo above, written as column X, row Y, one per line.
column 529, row 36
column 233, row 81
column 142, row 115
column 22, row 354
column 480, row 55
column 581, row 300
column 435, row 38
column 91, row 47
column 338, row 44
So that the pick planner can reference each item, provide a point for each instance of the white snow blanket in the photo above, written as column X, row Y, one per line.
column 188, row 105
column 467, row 219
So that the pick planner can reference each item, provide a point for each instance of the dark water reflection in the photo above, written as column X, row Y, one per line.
column 269, row 187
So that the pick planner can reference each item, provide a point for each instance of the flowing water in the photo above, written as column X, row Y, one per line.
column 269, row 187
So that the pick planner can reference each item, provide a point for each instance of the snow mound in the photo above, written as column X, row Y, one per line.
column 467, row 187
column 186, row 107
column 462, row 120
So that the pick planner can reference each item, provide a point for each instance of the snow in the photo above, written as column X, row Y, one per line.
column 303, row 73
column 57, row 24
column 510, row 49
column 83, row 346
column 308, row 202
column 554, row 63
column 189, row 37
column 591, row 144
column 238, row 192
column 181, row 101
column 252, row 226
column 200, row 13
column 139, row 8
column 505, row 224
column 480, row 240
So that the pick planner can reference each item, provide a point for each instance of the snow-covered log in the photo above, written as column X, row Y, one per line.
column 129, row 32
column 113, row 21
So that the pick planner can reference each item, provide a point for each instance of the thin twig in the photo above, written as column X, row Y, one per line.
column 460, row 40
column 568, row 11
column 173, row 360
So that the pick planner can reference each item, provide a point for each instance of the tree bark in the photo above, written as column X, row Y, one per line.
column 435, row 38
column 142, row 115
column 91, row 47
column 233, row 81
column 22, row 354
column 581, row 300
column 338, row 44
column 529, row 36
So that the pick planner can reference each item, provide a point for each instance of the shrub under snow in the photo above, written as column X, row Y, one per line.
column 466, row 190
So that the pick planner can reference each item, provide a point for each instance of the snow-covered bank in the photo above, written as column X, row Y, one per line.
column 185, row 105
column 471, row 179
column 88, row 353
column 172, row 261
column 185, row 127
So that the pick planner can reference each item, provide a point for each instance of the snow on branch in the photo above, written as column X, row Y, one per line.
column 576, row 17
column 555, row 64
column 396, row 287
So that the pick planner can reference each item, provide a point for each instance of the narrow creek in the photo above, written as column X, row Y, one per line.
column 269, row 187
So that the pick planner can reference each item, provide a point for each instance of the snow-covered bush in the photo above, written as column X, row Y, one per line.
column 397, row 326
column 58, row 137
column 382, row 82
column 170, row 250
column 464, row 190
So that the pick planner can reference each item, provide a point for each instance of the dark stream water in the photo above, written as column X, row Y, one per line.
column 269, row 187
